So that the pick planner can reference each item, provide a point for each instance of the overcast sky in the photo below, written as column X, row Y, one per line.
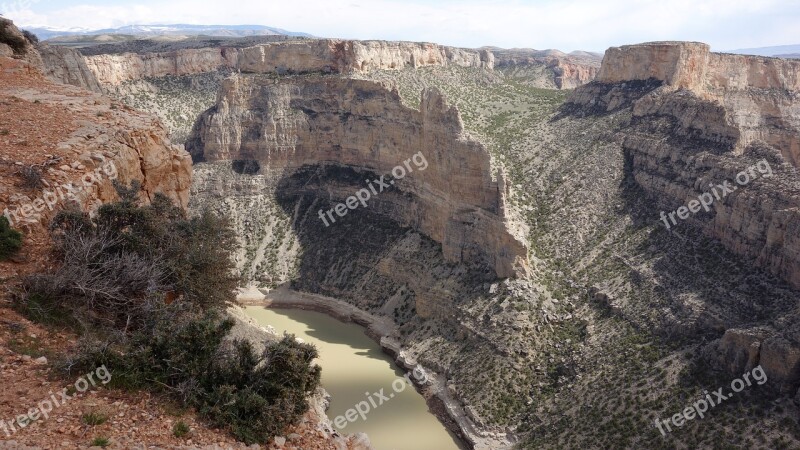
column 563, row 24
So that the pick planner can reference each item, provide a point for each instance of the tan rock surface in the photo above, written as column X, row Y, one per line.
column 290, row 124
column 318, row 55
column 66, row 65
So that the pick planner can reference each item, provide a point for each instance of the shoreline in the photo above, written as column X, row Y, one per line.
column 442, row 404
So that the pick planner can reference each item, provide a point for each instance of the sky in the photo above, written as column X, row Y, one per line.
column 567, row 25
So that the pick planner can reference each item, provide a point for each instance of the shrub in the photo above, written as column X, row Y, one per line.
column 147, row 289
column 180, row 429
column 94, row 418
column 100, row 442
column 32, row 177
column 32, row 38
column 10, row 239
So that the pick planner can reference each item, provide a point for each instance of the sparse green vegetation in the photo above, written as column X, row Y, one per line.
column 94, row 418
column 10, row 239
column 180, row 429
column 147, row 289
column 101, row 442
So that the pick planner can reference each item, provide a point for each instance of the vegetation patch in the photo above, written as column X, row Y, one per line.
column 147, row 288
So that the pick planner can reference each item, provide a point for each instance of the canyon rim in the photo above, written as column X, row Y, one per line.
column 524, row 268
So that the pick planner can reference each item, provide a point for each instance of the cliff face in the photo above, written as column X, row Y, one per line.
column 319, row 55
column 700, row 120
column 343, row 129
column 67, row 66
column 758, row 95
column 564, row 71
column 113, row 69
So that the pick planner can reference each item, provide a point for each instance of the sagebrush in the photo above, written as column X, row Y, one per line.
column 147, row 289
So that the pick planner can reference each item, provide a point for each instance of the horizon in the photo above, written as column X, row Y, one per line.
column 574, row 25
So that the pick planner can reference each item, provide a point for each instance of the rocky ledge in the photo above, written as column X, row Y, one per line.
column 300, row 56
column 701, row 120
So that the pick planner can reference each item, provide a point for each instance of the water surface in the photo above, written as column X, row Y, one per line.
column 353, row 365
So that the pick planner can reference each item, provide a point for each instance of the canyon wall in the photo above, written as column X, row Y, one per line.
column 356, row 128
column 565, row 71
column 758, row 94
column 67, row 66
column 712, row 116
column 700, row 119
column 302, row 56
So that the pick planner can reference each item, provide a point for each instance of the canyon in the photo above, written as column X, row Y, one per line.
column 526, row 266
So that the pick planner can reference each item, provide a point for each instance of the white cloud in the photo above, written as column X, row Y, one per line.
column 564, row 24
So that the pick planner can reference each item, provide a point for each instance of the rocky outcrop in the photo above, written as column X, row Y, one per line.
column 14, row 44
column 87, row 142
column 66, row 65
column 301, row 56
column 758, row 94
column 778, row 354
column 564, row 71
column 356, row 128
column 700, row 118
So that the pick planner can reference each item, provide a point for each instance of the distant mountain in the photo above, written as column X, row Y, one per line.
column 168, row 30
column 782, row 51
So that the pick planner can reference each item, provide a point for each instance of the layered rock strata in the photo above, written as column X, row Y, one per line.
column 301, row 56
column 67, row 66
column 564, row 71
column 353, row 129
column 699, row 120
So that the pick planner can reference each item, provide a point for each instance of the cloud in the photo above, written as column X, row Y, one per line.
column 563, row 24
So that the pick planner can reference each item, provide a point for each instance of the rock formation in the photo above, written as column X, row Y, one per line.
column 733, row 110
column 67, row 66
column 700, row 119
column 97, row 140
column 301, row 56
column 289, row 126
column 564, row 71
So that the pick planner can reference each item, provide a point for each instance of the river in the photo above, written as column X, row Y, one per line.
column 353, row 365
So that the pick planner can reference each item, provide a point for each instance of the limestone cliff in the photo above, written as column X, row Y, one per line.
column 360, row 128
column 66, row 65
column 557, row 69
column 700, row 119
column 301, row 56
